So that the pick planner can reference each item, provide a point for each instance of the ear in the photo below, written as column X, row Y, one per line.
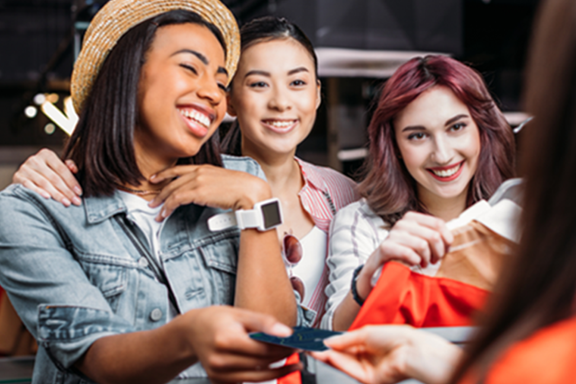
column 230, row 107
column 318, row 93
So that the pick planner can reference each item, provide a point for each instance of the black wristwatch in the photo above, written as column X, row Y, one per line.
column 353, row 289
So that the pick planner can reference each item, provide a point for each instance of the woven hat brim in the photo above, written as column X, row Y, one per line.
column 118, row 16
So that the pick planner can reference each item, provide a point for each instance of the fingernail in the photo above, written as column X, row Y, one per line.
column 76, row 200
column 77, row 190
column 66, row 202
column 152, row 177
column 281, row 330
column 45, row 195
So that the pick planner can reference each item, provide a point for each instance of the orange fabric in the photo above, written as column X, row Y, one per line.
column 548, row 356
column 294, row 377
column 405, row 297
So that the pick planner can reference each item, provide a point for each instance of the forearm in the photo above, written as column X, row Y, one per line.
column 154, row 356
column 262, row 284
column 345, row 313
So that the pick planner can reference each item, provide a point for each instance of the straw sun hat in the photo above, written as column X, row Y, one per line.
column 118, row 16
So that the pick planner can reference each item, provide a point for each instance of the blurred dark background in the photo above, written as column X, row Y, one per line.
column 38, row 39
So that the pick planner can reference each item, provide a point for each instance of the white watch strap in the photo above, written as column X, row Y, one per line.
column 222, row 221
column 249, row 218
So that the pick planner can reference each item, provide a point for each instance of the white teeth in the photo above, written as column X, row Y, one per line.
column 281, row 123
column 446, row 172
column 196, row 116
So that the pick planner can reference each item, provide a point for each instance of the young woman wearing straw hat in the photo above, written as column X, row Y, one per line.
column 274, row 95
column 109, row 292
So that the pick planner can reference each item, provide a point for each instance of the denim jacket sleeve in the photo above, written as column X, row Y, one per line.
column 47, row 286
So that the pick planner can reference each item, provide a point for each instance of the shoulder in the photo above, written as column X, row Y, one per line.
column 242, row 163
column 330, row 176
column 358, row 218
column 359, row 210
column 544, row 357
column 341, row 188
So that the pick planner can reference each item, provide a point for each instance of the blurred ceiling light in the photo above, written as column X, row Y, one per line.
column 53, row 98
column 49, row 128
column 39, row 99
column 30, row 111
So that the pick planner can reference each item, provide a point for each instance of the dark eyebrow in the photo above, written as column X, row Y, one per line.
column 299, row 69
column 413, row 128
column 257, row 72
column 200, row 56
column 422, row 128
column 454, row 119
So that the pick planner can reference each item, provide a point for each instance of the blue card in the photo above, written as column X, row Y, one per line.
column 306, row 339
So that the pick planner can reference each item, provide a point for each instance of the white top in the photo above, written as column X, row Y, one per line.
column 311, row 267
column 144, row 217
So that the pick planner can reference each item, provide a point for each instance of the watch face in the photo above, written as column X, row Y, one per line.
column 271, row 213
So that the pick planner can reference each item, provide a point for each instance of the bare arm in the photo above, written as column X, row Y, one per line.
column 215, row 336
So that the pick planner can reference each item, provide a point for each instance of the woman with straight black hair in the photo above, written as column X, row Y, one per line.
column 274, row 95
column 528, row 330
column 111, row 294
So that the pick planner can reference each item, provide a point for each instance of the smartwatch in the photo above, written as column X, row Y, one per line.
column 265, row 215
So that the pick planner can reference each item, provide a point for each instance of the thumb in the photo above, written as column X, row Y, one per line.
column 256, row 322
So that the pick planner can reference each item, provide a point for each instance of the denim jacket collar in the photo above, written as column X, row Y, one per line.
column 100, row 208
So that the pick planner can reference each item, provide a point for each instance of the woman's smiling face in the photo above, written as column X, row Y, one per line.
column 439, row 143
column 275, row 95
column 182, row 92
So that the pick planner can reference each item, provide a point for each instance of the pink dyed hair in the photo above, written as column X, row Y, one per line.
column 388, row 187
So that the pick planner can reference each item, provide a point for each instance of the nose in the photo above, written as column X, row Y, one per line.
column 279, row 100
column 442, row 153
column 210, row 90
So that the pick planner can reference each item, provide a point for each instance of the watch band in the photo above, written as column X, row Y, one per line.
column 353, row 288
column 222, row 221
column 265, row 215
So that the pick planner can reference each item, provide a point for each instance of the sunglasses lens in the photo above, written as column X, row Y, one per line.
column 292, row 249
column 298, row 286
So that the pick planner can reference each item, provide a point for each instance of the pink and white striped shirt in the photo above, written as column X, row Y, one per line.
column 325, row 191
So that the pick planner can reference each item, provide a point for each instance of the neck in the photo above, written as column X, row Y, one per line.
column 149, row 165
column 445, row 209
column 281, row 170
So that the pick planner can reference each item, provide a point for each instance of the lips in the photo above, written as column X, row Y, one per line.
column 198, row 119
column 448, row 173
column 280, row 125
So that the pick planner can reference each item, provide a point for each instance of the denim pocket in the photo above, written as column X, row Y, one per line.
column 221, row 262
column 111, row 280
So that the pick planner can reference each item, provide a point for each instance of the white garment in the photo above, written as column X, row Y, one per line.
column 355, row 233
column 311, row 266
column 143, row 216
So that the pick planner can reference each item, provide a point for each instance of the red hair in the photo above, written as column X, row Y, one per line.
column 388, row 187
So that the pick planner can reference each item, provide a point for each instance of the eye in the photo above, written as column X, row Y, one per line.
column 257, row 84
column 189, row 68
column 458, row 127
column 298, row 83
column 417, row 136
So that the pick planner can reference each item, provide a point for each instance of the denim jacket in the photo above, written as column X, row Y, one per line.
column 77, row 274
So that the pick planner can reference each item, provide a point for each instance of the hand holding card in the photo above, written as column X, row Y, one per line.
column 303, row 338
